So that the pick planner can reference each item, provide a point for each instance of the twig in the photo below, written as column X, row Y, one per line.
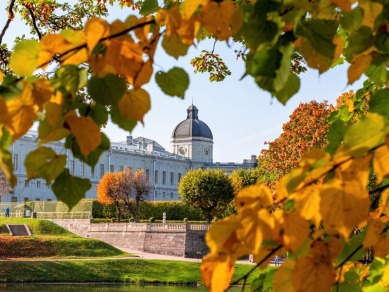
column 214, row 45
column 34, row 23
column 381, row 188
column 10, row 18
column 102, row 39
column 257, row 265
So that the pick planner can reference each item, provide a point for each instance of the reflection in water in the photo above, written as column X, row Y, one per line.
column 83, row 287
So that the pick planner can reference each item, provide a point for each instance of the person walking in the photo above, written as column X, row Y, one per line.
column 7, row 212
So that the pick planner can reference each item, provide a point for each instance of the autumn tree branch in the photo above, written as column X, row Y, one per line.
column 10, row 18
column 33, row 19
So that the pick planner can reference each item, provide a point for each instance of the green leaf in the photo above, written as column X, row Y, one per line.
column 93, row 157
column 174, row 46
column 350, row 247
column 107, row 90
column 291, row 87
column 365, row 134
column 174, row 83
column 24, row 60
column 352, row 20
column 320, row 34
column 335, row 134
column 381, row 42
column 257, row 284
column 149, row 7
column 68, row 77
column 379, row 102
column 122, row 122
column 359, row 41
column 377, row 71
column 6, row 164
column 266, row 62
column 283, row 73
column 351, row 283
column 70, row 189
column 44, row 163
column 268, row 283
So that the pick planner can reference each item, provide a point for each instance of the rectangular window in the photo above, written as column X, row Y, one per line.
column 82, row 169
column 111, row 168
column 14, row 199
column 156, row 176
column 171, row 195
column 26, row 183
column 71, row 166
column 26, row 199
column 179, row 177
column 121, row 168
column 38, row 199
column 38, row 184
column 155, row 194
column 164, row 177
column 15, row 161
column 101, row 170
column 164, row 194
column 172, row 178
column 48, row 200
column 148, row 174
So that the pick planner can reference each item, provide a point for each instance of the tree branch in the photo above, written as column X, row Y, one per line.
column 10, row 18
column 274, row 250
column 379, row 189
column 33, row 19
column 101, row 40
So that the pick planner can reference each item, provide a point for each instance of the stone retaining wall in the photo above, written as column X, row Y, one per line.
column 185, row 240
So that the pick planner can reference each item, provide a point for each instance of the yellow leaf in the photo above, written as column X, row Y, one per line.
column 25, row 58
column 295, row 231
column 283, row 277
column 314, row 272
column 220, row 232
column 189, row 7
column 255, row 197
column 221, row 19
column 381, row 162
column 382, row 207
column 356, row 170
column 381, row 248
column 344, row 204
column 118, row 26
column 21, row 112
column 42, row 92
column 373, row 234
column 134, row 104
column 385, row 277
column 57, row 98
column 144, row 74
column 307, row 203
column 75, row 57
column 85, row 130
column 216, row 272
column 1, row 77
column 95, row 29
column 358, row 66
column 51, row 44
column 371, row 11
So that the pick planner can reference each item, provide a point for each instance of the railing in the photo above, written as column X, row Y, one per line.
column 120, row 227
column 199, row 226
column 65, row 215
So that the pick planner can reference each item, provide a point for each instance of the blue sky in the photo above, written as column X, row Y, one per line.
column 240, row 115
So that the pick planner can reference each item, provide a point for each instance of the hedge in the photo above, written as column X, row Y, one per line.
column 175, row 210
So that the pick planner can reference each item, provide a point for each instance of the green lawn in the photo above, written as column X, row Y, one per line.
column 50, row 240
column 129, row 271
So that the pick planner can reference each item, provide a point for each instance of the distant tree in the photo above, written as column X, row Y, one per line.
column 209, row 190
column 242, row 178
column 306, row 129
column 137, row 187
column 109, row 191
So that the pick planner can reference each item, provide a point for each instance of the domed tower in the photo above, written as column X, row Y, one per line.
column 192, row 138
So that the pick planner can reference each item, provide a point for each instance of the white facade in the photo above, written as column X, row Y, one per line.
column 164, row 169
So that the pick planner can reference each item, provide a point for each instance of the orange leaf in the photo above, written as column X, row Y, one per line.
column 95, row 29
column 381, row 163
column 134, row 104
column 358, row 66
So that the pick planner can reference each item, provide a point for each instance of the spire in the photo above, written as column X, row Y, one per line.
column 192, row 112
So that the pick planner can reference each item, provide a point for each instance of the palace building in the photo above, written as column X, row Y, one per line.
column 191, row 148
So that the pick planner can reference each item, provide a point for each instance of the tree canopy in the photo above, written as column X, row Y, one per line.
column 70, row 82
column 208, row 190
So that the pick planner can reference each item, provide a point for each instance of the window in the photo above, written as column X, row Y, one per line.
column 14, row 199
column 164, row 177
column 120, row 168
column 26, row 199
column 111, row 168
column 148, row 174
column 179, row 177
column 156, row 177
column 101, row 170
column 38, row 199
column 38, row 184
column 26, row 183
column 172, row 178
column 171, row 195
column 15, row 161
column 155, row 194
column 82, row 169
column 164, row 194
column 48, row 200
column 71, row 166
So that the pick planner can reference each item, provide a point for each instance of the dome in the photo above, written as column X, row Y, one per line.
column 192, row 126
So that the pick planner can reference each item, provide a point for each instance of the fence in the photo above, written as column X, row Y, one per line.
column 94, row 227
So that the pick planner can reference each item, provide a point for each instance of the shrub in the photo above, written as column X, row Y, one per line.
column 152, row 219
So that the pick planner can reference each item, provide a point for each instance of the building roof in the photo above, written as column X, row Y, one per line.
column 192, row 126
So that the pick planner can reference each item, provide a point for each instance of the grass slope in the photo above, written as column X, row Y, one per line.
column 50, row 240
column 128, row 271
